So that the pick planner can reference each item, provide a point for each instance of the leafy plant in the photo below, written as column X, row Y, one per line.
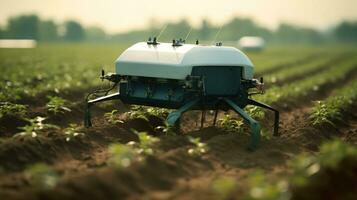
column 144, row 112
column 57, row 105
column 112, row 118
column 72, row 132
column 146, row 142
column 332, row 153
column 35, row 126
column 138, row 112
column 323, row 113
column 224, row 187
column 199, row 147
column 255, row 112
column 304, row 166
column 158, row 112
column 330, row 156
column 333, row 166
column 261, row 188
column 41, row 176
column 8, row 108
column 166, row 129
column 230, row 124
column 331, row 108
column 121, row 155
column 307, row 171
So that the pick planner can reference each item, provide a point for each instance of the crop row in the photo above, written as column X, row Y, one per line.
column 265, row 64
column 60, row 67
column 312, row 83
column 55, row 68
column 319, row 64
column 283, row 58
column 331, row 109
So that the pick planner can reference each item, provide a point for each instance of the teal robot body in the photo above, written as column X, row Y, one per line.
column 185, row 77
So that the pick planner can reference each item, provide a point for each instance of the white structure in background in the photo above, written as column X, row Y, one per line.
column 18, row 43
column 251, row 43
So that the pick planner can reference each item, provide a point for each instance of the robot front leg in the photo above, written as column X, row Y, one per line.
column 276, row 112
column 87, row 115
column 175, row 116
column 254, row 125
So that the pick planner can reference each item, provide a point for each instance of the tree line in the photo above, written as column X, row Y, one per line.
column 32, row 27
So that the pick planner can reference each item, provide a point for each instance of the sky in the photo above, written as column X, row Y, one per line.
column 123, row 15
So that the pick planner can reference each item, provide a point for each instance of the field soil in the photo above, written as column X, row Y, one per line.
column 84, row 171
column 172, row 173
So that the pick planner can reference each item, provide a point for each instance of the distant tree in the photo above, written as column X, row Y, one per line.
column 74, row 31
column 293, row 34
column 23, row 27
column 48, row 31
column 239, row 27
column 176, row 30
column 206, row 30
column 95, row 34
column 346, row 32
column 2, row 33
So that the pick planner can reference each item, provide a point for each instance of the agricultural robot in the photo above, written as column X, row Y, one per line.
column 185, row 77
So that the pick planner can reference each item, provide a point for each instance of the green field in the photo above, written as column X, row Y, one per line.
column 46, row 153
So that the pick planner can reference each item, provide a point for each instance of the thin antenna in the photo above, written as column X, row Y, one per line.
column 218, row 32
column 162, row 30
column 188, row 33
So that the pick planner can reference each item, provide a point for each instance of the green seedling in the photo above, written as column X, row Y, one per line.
column 330, row 157
column 323, row 113
column 72, row 132
column 57, row 105
column 157, row 112
column 35, row 126
column 331, row 109
column 124, row 155
column 224, row 187
column 121, row 155
column 230, row 124
column 8, row 108
column 166, row 129
column 145, row 144
column 112, row 117
column 255, row 112
column 199, row 147
column 41, row 176
column 144, row 112
column 262, row 189
column 137, row 112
